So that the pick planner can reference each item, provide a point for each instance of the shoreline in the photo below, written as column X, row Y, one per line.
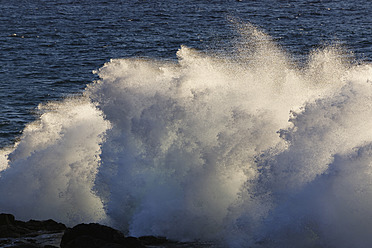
column 51, row 234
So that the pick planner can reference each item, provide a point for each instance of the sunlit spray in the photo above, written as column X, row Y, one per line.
column 247, row 149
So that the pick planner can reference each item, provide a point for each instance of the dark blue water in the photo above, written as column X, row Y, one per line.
column 48, row 49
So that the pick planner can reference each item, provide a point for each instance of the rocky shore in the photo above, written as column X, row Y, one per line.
column 51, row 234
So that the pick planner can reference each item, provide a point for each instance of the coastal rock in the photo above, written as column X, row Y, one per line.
column 24, row 245
column 48, row 234
column 7, row 219
column 95, row 235
column 11, row 228
column 152, row 240
column 46, row 225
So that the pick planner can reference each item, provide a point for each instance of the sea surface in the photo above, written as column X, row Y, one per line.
column 242, row 123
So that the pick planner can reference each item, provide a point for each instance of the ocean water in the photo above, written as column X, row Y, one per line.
column 242, row 123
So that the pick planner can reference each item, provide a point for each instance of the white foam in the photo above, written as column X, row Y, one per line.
column 52, row 169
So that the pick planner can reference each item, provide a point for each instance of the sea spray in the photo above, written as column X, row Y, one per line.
column 53, row 167
column 316, row 188
column 248, row 149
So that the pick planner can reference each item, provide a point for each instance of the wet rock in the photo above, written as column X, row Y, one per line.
column 11, row 228
column 48, row 233
column 132, row 242
column 152, row 240
column 46, row 225
column 94, row 235
column 24, row 245
column 7, row 219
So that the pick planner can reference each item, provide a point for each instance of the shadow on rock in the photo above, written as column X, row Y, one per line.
column 94, row 235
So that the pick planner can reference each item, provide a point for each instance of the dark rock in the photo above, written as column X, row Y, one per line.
column 133, row 242
column 82, row 241
column 152, row 240
column 4, row 242
column 94, row 235
column 32, row 241
column 24, row 245
column 11, row 231
column 46, row 225
column 7, row 219
column 92, row 231
column 11, row 228
column 81, row 236
column 112, row 245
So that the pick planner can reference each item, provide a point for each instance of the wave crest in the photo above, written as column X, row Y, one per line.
column 247, row 148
